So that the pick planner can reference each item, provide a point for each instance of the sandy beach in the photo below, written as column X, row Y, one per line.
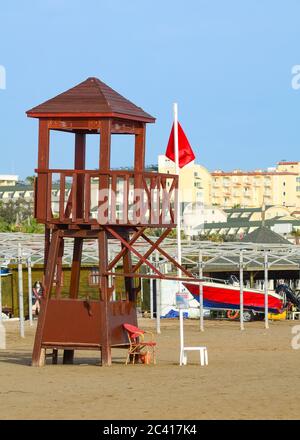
column 251, row 374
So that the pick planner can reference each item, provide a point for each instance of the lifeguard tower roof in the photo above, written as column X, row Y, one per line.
column 91, row 98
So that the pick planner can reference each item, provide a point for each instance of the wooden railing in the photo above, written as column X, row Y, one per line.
column 113, row 197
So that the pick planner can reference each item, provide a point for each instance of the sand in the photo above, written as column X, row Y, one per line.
column 251, row 374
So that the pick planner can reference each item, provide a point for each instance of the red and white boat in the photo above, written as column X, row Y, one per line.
column 227, row 297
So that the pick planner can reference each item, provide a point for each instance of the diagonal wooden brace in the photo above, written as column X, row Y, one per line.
column 154, row 246
column 124, row 250
column 131, row 249
column 165, row 254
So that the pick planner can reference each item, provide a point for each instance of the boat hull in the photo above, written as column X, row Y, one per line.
column 228, row 297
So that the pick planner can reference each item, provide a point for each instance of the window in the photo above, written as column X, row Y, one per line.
column 283, row 183
column 297, row 188
column 284, row 194
column 94, row 277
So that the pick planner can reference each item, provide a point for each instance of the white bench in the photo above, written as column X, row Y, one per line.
column 293, row 315
column 202, row 351
column 183, row 350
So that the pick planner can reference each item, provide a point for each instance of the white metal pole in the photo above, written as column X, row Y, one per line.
column 201, row 290
column 158, row 298
column 151, row 290
column 114, row 294
column 142, row 290
column 29, row 290
column 0, row 294
column 20, row 285
column 181, row 335
column 266, row 291
column 241, row 291
column 176, row 147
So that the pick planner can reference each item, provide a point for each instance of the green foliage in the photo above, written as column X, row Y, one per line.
column 296, row 234
column 157, row 232
column 217, row 238
column 17, row 216
column 30, row 180
column 15, row 211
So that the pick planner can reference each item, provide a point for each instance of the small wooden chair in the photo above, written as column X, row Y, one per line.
column 137, row 343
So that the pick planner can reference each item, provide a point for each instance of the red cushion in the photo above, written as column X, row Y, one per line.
column 135, row 332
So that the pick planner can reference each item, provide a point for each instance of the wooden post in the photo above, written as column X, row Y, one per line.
column 59, row 269
column 80, row 148
column 47, row 246
column 43, row 163
column 139, row 149
column 104, row 165
column 38, row 356
column 104, row 292
column 139, row 165
column 105, row 150
column 129, row 282
column 75, row 270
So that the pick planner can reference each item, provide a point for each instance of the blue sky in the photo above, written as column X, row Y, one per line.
column 227, row 64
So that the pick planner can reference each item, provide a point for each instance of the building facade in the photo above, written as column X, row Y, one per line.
column 275, row 186
column 278, row 186
column 194, row 181
column 8, row 179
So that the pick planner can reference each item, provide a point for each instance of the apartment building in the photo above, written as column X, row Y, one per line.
column 8, row 179
column 194, row 181
column 275, row 186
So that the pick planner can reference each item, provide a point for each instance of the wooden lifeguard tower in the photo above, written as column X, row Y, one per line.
column 128, row 202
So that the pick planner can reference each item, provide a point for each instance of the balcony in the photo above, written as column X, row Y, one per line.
column 115, row 197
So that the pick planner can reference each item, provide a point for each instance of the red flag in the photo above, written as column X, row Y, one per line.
column 185, row 152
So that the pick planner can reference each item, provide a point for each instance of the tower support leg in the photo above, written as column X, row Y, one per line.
column 38, row 356
column 68, row 357
column 105, row 298
column 129, row 282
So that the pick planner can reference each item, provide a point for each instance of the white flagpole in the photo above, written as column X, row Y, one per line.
column 176, row 147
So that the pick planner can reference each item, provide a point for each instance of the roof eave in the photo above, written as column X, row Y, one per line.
column 40, row 115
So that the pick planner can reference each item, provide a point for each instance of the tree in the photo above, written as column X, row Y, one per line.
column 17, row 216
column 215, row 237
column 30, row 180
column 296, row 234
